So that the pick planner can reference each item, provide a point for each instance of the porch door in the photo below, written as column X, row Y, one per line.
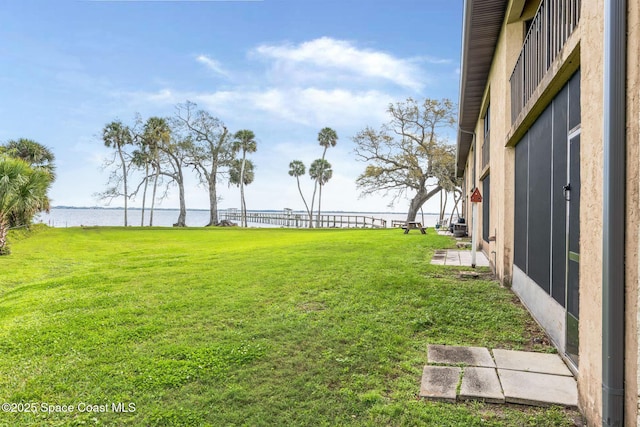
column 572, row 195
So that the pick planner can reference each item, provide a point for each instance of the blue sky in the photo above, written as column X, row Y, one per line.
column 283, row 68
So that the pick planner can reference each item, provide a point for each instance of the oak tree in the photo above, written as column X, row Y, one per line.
column 210, row 151
column 409, row 155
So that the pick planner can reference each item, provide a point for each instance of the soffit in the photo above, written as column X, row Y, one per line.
column 482, row 25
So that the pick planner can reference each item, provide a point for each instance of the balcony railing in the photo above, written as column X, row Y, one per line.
column 550, row 29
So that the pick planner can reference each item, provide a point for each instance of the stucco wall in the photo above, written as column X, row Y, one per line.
column 590, row 352
column 501, row 166
column 514, row 37
column 591, row 53
column 496, row 97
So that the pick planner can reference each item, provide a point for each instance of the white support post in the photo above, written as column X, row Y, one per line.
column 474, row 235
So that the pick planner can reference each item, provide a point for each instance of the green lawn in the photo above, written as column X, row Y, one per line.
column 254, row 327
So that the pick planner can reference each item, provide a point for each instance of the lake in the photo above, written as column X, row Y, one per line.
column 75, row 217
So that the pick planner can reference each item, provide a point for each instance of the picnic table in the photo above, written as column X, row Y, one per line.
column 413, row 225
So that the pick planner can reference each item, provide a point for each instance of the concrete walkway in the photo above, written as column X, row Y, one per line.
column 473, row 373
column 458, row 258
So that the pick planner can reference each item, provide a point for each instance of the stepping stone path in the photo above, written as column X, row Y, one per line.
column 458, row 258
column 440, row 382
column 471, row 373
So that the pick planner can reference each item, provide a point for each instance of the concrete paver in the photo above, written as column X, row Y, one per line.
column 481, row 384
column 531, row 362
column 453, row 258
column 530, row 388
column 439, row 257
column 527, row 378
column 440, row 382
column 458, row 258
column 453, row 355
column 465, row 259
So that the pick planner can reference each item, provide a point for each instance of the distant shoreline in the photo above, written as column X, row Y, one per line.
column 66, row 216
column 250, row 210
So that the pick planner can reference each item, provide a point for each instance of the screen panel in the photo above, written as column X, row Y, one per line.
column 521, row 209
column 486, row 197
column 539, row 241
column 559, row 205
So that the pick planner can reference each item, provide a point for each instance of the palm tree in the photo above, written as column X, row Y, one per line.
column 23, row 193
column 235, row 170
column 241, row 173
column 118, row 135
column 244, row 141
column 327, row 137
column 297, row 169
column 320, row 170
column 156, row 133
column 140, row 159
column 37, row 156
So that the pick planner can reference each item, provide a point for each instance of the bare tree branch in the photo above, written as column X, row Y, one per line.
column 407, row 155
column 209, row 153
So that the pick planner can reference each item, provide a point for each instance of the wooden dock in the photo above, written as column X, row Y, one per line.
column 300, row 220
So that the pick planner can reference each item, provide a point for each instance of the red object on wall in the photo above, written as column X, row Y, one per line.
column 476, row 197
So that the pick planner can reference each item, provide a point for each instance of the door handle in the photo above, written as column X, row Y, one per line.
column 567, row 192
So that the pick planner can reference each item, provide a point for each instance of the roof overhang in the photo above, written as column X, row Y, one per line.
column 483, row 21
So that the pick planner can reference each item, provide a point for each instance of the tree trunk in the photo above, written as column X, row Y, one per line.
column 455, row 206
column 444, row 205
column 303, row 199
column 153, row 199
column 324, row 152
column 319, row 211
column 212, row 179
column 144, row 193
column 418, row 200
column 182, row 217
column 4, row 230
column 243, row 209
column 213, row 213
column 124, row 177
column 313, row 199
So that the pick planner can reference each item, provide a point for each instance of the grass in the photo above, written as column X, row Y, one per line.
column 257, row 327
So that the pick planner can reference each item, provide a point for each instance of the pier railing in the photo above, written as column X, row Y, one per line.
column 297, row 220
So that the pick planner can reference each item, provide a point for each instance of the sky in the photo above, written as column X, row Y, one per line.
column 282, row 68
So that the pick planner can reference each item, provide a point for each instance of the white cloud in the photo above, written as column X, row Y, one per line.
column 314, row 106
column 319, row 82
column 339, row 56
column 212, row 64
column 296, row 91
column 307, row 106
column 435, row 60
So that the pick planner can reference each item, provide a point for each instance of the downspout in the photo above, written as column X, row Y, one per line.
column 473, row 142
column 613, row 257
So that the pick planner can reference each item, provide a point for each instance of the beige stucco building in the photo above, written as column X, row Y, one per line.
column 549, row 132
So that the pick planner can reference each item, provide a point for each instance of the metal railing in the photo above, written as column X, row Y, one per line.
column 550, row 29
column 302, row 221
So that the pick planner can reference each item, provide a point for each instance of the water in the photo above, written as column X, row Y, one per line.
column 75, row 217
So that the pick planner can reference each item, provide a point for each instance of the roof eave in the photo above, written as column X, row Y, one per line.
column 483, row 21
